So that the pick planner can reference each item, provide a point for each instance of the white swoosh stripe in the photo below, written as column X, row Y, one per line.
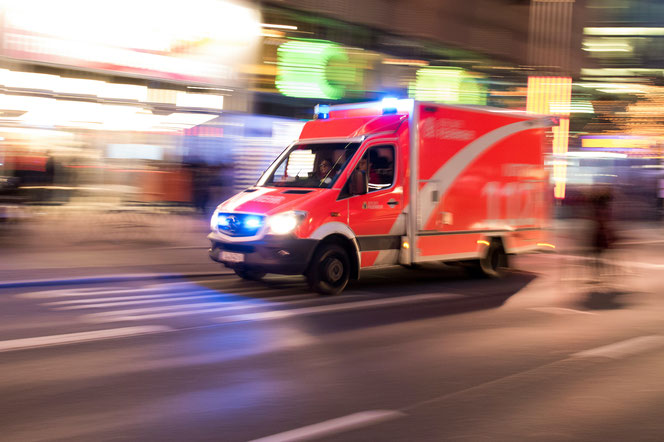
column 443, row 179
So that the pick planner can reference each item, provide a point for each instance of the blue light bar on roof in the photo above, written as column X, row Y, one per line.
column 322, row 111
column 390, row 105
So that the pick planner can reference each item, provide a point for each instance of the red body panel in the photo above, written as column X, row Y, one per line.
column 351, row 127
column 485, row 171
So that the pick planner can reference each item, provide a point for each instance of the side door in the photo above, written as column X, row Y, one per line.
column 376, row 216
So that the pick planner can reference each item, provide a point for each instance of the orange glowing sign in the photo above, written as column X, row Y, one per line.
column 553, row 96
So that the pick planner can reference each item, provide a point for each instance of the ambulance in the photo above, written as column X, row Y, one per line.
column 395, row 182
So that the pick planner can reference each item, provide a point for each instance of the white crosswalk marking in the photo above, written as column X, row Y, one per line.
column 130, row 298
column 71, row 338
column 82, row 306
column 171, row 311
column 110, row 290
column 172, row 300
column 187, row 299
column 165, row 300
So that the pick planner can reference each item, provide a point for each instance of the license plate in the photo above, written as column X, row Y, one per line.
column 231, row 256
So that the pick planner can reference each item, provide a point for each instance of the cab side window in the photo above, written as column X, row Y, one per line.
column 377, row 168
column 380, row 167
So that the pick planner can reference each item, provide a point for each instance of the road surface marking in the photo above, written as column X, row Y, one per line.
column 622, row 349
column 232, row 304
column 71, row 338
column 193, row 294
column 83, row 305
column 222, row 298
column 126, row 298
column 101, row 291
column 192, row 309
column 333, row 426
column 614, row 351
column 109, row 290
column 85, row 291
column 277, row 314
column 561, row 311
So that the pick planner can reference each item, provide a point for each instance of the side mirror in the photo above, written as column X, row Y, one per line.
column 358, row 183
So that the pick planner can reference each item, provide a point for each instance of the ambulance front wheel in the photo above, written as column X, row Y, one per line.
column 249, row 273
column 329, row 271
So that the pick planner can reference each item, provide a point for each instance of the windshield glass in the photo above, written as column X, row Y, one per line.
column 310, row 165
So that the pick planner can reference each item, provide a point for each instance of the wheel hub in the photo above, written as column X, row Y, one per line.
column 335, row 270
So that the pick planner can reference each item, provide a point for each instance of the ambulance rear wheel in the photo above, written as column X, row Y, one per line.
column 329, row 271
column 495, row 263
column 249, row 274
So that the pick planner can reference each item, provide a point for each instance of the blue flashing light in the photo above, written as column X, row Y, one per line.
column 322, row 111
column 222, row 220
column 390, row 105
column 252, row 222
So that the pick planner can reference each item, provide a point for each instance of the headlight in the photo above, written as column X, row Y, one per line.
column 284, row 223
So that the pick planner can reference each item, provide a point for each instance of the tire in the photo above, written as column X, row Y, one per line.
column 249, row 274
column 495, row 263
column 329, row 270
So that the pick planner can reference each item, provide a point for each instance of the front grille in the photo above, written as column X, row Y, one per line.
column 239, row 224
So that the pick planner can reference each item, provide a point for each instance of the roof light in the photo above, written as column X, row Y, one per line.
column 322, row 111
column 389, row 105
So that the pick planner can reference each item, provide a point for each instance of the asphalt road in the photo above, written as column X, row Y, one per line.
column 402, row 355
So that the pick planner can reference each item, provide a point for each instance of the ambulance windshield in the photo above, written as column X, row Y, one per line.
column 309, row 165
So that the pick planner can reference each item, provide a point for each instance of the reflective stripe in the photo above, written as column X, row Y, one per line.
column 387, row 257
column 328, row 229
column 336, row 227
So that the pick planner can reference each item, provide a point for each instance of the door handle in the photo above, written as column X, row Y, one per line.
column 392, row 203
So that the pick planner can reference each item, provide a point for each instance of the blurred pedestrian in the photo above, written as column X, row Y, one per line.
column 602, row 234
column 48, row 179
column 201, row 187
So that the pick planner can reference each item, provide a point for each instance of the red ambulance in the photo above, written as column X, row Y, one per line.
column 397, row 182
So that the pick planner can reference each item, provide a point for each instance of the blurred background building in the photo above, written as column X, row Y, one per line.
column 184, row 103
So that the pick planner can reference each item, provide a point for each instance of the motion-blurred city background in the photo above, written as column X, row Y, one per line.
column 124, row 121
column 123, row 124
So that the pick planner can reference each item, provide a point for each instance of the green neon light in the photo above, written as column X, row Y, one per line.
column 443, row 84
column 313, row 69
column 623, row 31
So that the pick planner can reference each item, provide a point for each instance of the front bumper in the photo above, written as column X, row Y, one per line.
column 271, row 254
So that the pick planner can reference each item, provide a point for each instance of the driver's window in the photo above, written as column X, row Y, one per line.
column 378, row 165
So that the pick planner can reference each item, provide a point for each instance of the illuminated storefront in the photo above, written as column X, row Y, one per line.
column 110, row 91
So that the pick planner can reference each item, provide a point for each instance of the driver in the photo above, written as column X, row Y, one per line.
column 324, row 169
